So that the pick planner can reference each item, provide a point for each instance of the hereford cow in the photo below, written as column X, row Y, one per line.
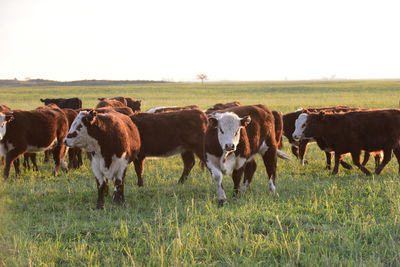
column 127, row 101
column 32, row 131
column 171, row 109
column 110, row 103
column 74, row 103
column 113, row 140
column 168, row 134
column 371, row 130
column 222, row 106
column 234, row 137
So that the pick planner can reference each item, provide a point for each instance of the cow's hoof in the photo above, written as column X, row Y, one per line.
column 100, row 206
column 221, row 202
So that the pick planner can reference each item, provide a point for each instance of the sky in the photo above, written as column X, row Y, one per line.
column 175, row 40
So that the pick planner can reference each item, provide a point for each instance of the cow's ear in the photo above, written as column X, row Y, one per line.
column 245, row 121
column 91, row 117
column 101, row 98
column 213, row 121
column 41, row 100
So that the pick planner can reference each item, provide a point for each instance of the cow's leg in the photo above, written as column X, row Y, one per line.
column 58, row 156
column 47, row 155
column 387, row 156
column 139, row 167
column 217, row 177
column 366, row 158
column 188, row 163
column 270, row 158
column 344, row 163
column 236, row 177
column 295, row 150
column 16, row 166
column 102, row 187
column 34, row 163
column 26, row 161
column 11, row 156
column 71, row 159
column 118, row 195
column 378, row 158
column 79, row 156
column 355, row 155
column 328, row 156
column 302, row 151
column 249, row 170
column 338, row 156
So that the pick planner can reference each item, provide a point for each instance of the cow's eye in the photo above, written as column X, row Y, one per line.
column 222, row 132
column 303, row 126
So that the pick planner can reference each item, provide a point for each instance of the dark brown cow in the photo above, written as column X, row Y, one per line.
column 234, row 136
column 371, row 130
column 299, row 147
column 171, row 109
column 127, row 101
column 32, row 131
column 74, row 103
column 168, row 134
column 113, row 139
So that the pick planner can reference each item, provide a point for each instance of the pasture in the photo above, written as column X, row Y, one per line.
column 315, row 218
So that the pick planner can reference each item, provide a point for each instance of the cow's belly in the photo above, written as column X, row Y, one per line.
column 33, row 148
column 116, row 169
column 169, row 153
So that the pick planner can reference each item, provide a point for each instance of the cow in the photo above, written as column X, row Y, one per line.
column 74, row 103
column 368, row 130
column 32, row 131
column 171, row 109
column 168, row 134
column 222, row 106
column 113, row 140
column 74, row 153
column 299, row 147
column 234, row 136
column 110, row 103
column 127, row 101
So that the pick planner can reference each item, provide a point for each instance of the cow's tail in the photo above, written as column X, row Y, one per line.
column 283, row 155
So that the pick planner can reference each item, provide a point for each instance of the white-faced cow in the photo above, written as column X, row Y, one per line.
column 168, row 134
column 371, row 130
column 113, row 140
column 32, row 131
column 234, row 137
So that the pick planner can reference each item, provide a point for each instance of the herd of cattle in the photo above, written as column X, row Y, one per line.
column 225, row 137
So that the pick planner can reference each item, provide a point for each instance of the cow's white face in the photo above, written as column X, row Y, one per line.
column 4, row 119
column 228, row 125
column 300, row 125
column 78, row 133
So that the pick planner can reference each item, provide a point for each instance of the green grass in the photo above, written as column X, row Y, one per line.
column 315, row 218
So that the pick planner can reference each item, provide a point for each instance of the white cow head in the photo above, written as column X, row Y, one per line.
column 4, row 120
column 78, row 135
column 300, row 125
column 228, row 125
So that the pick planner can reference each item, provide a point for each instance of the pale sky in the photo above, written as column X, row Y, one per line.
column 178, row 39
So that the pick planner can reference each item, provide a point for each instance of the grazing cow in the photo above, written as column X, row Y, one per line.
column 110, row 103
column 299, row 147
column 32, row 131
column 113, row 140
column 234, row 137
column 171, row 109
column 222, row 106
column 370, row 130
column 127, row 101
column 168, row 134
column 74, row 103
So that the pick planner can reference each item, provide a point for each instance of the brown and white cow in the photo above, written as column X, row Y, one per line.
column 113, row 140
column 171, row 109
column 127, row 101
column 32, row 131
column 371, row 130
column 168, row 134
column 233, row 138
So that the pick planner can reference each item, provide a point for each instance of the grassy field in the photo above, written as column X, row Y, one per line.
column 315, row 218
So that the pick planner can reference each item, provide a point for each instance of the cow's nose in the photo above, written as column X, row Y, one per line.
column 295, row 137
column 229, row 147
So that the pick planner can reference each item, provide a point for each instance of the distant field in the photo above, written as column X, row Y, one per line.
column 315, row 219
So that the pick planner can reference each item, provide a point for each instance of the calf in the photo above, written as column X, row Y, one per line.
column 113, row 140
column 32, row 131
column 234, row 137
column 168, row 134
column 127, row 101
column 352, row 132
column 74, row 103
column 171, row 109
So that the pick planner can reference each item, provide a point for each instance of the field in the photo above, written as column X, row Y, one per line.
column 315, row 218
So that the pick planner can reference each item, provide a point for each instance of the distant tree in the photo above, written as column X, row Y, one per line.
column 202, row 77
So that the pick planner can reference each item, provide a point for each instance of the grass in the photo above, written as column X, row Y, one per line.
column 315, row 218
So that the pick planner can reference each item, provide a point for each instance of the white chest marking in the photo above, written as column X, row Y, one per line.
column 115, row 171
